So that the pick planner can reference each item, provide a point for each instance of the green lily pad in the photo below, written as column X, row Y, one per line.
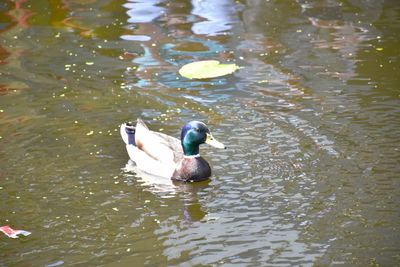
column 206, row 69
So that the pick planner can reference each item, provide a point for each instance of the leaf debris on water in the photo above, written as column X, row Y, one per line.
column 206, row 69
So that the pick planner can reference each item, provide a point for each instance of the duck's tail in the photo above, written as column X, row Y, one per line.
column 128, row 133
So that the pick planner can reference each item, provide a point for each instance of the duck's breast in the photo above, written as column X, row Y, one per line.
column 192, row 170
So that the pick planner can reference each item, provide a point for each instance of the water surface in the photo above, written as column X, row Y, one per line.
column 311, row 176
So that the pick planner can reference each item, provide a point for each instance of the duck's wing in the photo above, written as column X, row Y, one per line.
column 148, row 164
column 158, row 146
column 174, row 144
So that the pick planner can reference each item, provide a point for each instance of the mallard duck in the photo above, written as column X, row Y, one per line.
column 166, row 156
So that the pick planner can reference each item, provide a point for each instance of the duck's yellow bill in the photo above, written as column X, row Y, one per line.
column 213, row 142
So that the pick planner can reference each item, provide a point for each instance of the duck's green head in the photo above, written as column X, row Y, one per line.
column 193, row 135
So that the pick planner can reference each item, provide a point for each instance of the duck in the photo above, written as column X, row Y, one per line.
column 165, row 156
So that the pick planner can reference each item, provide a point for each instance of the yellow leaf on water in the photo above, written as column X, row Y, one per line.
column 206, row 69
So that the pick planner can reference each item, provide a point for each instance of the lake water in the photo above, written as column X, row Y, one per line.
column 311, row 121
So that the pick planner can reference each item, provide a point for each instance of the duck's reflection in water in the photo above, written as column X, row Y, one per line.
column 166, row 188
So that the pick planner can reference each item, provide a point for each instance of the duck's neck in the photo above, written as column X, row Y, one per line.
column 190, row 149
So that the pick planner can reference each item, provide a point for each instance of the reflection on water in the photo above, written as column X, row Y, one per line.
column 218, row 17
column 311, row 122
column 345, row 32
column 192, row 209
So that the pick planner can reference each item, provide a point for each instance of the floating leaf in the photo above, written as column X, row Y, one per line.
column 206, row 69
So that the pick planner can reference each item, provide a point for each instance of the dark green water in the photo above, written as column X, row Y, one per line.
column 312, row 122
